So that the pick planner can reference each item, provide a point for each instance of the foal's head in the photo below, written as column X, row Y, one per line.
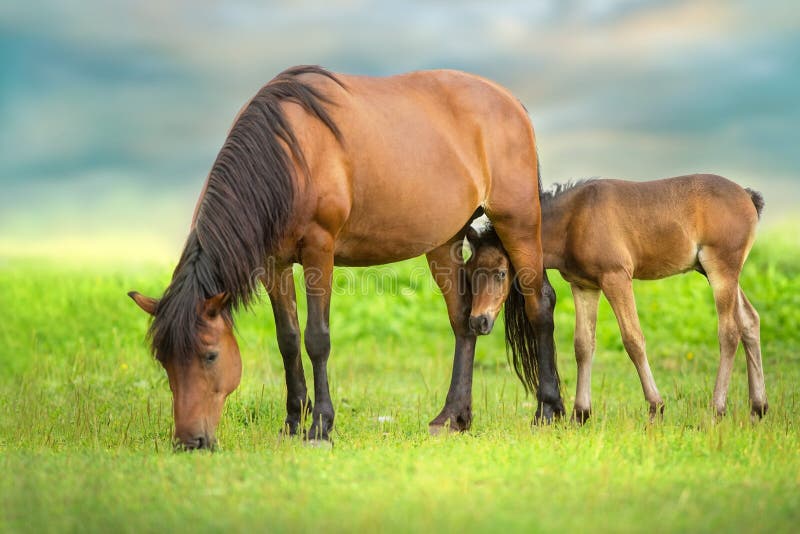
column 490, row 276
column 202, row 378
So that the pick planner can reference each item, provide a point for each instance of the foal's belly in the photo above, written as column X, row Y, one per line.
column 671, row 260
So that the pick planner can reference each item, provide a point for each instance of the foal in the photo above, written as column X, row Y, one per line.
column 601, row 234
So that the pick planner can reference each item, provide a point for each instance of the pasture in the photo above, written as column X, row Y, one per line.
column 85, row 421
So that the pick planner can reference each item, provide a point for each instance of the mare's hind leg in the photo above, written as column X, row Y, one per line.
column 521, row 237
column 618, row 289
column 749, row 323
column 279, row 283
column 586, row 301
column 448, row 271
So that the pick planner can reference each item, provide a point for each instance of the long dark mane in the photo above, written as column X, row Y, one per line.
column 243, row 214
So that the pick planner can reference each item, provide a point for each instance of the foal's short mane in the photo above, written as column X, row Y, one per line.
column 243, row 214
column 556, row 190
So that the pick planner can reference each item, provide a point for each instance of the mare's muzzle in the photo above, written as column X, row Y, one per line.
column 198, row 442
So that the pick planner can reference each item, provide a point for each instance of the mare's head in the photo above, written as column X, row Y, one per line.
column 490, row 276
column 201, row 357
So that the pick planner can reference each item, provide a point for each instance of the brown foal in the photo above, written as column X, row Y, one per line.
column 602, row 234
column 326, row 169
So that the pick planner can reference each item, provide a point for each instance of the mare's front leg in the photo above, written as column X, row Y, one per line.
column 448, row 271
column 279, row 283
column 618, row 288
column 317, row 260
column 586, row 301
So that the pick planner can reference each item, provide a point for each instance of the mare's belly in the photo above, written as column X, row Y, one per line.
column 378, row 240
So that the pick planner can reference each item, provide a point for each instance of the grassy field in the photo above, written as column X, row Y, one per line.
column 85, row 417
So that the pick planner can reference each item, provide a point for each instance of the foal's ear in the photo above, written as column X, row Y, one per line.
column 472, row 235
column 148, row 304
column 213, row 306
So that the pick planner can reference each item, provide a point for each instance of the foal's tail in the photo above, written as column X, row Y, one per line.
column 521, row 344
column 758, row 200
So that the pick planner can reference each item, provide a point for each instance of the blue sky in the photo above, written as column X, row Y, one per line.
column 112, row 112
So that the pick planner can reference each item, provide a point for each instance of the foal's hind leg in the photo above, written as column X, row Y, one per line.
column 724, row 282
column 749, row 323
column 586, row 301
column 280, row 288
column 618, row 289
column 448, row 271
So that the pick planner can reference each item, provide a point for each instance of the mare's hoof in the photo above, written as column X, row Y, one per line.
column 438, row 430
column 290, row 429
column 435, row 429
column 546, row 413
column 318, row 444
column 447, row 423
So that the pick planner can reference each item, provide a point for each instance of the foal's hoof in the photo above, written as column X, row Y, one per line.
column 547, row 412
column 656, row 412
column 581, row 415
column 757, row 411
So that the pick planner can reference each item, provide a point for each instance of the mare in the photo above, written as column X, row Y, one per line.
column 327, row 169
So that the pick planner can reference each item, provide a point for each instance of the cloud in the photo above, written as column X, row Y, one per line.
column 145, row 91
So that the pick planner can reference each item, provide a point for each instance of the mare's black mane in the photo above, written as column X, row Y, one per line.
column 243, row 214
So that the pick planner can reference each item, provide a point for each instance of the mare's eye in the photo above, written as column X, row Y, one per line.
column 212, row 356
column 501, row 275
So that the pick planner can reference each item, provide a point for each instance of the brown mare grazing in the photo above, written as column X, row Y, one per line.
column 601, row 234
column 327, row 169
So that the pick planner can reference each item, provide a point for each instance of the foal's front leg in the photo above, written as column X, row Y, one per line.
column 279, row 283
column 448, row 272
column 317, row 259
column 618, row 288
column 586, row 301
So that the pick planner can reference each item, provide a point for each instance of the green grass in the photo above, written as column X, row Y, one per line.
column 85, row 417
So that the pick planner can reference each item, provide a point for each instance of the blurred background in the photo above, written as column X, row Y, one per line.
column 112, row 112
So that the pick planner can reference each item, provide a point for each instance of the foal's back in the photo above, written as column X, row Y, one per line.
column 652, row 229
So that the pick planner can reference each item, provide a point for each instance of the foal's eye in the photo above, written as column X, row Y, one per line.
column 501, row 275
column 211, row 357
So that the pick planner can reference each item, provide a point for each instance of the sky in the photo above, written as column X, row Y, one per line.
column 112, row 112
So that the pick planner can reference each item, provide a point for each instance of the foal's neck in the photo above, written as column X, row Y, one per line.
column 555, row 217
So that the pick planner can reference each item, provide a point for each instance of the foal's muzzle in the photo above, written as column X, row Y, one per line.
column 481, row 324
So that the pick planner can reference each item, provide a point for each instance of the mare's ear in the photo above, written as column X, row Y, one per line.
column 148, row 304
column 214, row 305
